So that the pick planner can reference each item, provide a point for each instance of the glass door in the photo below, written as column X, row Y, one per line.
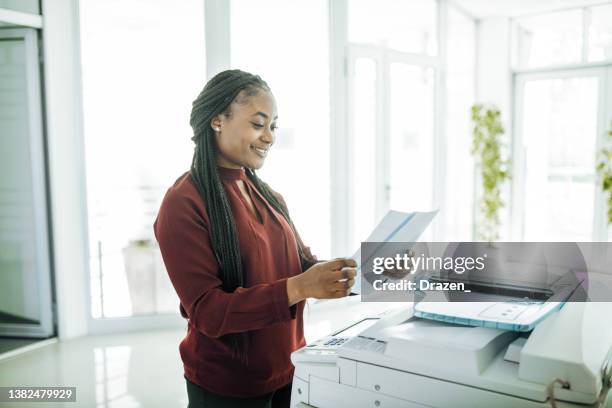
column 25, row 272
column 560, row 118
column 391, row 135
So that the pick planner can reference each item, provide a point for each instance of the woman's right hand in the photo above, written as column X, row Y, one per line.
column 324, row 280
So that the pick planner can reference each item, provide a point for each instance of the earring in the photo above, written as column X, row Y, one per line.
column 217, row 129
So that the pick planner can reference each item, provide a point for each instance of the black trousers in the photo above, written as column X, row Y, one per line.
column 200, row 398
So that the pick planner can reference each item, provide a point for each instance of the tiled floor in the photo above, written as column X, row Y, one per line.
column 130, row 370
column 141, row 369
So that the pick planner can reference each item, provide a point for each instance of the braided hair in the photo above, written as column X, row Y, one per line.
column 216, row 98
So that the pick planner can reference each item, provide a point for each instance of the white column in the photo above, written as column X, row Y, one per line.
column 494, row 86
column 217, row 30
column 64, row 130
column 494, row 74
column 341, row 189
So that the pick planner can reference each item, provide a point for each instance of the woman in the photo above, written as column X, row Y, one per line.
column 232, row 253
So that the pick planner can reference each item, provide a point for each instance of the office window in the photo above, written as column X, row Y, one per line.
column 286, row 43
column 549, row 39
column 363, row 127
column 411, row 141
column 408, row 26
column 143, row 65
column 393, row 104
column 600, row 33
column 560, row 119
column 559, row 133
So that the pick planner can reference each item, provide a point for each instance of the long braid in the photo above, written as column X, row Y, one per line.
column 215, row 99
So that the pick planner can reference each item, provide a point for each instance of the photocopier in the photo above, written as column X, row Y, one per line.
column 395, row 359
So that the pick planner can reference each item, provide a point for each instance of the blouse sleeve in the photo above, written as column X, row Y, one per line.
column 184, row 241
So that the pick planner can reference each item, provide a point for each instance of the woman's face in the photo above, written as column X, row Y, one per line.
column 245, row 135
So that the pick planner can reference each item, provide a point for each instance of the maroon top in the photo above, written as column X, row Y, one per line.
column 269, row 254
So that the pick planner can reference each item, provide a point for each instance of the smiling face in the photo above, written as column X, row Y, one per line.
column 245, row 133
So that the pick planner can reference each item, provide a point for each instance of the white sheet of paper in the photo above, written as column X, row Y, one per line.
column 396, row 226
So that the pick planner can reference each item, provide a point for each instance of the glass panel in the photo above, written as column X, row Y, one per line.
column 403, row 25
column 296, row 66
column 600, row 33
column 411, row 155
column 25, row 6
column 363, row 128
column 549, row 39
column 19, row 290
column 138, row 88
column 559, row 135
column 460, row 88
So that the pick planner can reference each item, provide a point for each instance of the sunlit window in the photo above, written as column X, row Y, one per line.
column 363, row 127
column 560, row 113
column 143, row 65
column 408, row 26
column 559, row 134
column 411, row 144
column 286, row 43
column 600, row 33
column 549, row 39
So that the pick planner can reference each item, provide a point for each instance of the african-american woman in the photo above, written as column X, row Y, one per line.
column 237, row 263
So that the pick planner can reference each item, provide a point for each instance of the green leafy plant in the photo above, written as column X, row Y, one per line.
column 494, row 169
column 604, row 169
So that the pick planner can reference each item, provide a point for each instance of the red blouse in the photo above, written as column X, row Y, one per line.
column 269, row 254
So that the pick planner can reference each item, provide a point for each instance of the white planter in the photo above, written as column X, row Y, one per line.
column 149, row 286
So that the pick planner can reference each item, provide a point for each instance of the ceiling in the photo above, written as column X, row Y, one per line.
column 513, row 8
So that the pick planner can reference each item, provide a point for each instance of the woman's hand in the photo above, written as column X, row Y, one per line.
column 323, row 280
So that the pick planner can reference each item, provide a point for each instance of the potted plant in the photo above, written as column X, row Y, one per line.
column 604, row 169
column 494, row 169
